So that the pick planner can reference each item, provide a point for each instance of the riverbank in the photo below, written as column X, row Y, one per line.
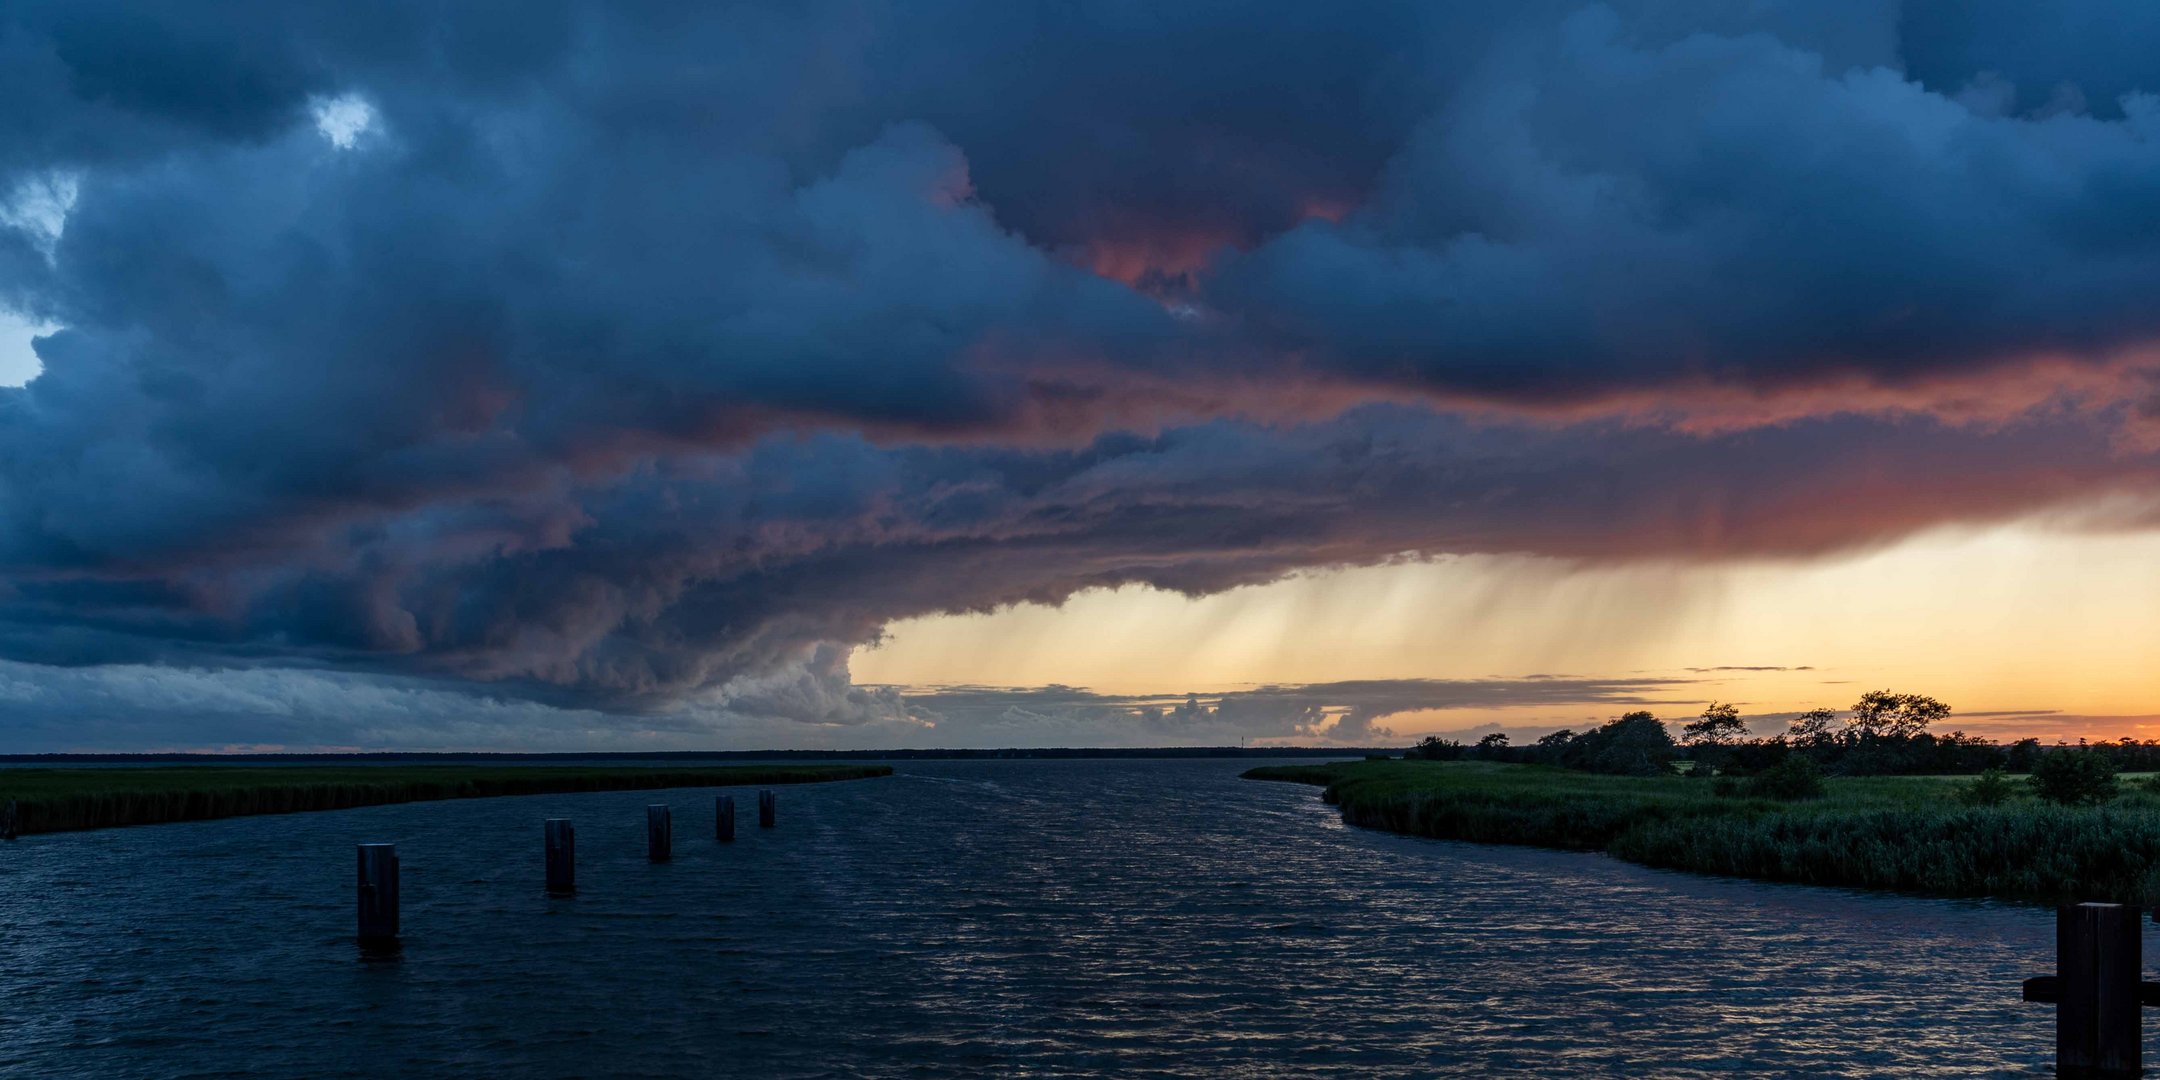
column 1909, row 834
column 60, row 800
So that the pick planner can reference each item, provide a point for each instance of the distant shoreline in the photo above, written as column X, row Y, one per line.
column 1907, row 834
column 71, row 800
column 508, row 756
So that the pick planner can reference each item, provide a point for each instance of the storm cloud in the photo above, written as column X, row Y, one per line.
column 628, row 359
column 166, row 707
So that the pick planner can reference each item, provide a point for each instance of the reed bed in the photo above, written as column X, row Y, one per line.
column 1909, row 834
column 59, row 800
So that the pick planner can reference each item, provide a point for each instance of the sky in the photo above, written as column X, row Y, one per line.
column 570, row 375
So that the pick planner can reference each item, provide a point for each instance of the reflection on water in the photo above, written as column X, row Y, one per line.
column 1038, row 917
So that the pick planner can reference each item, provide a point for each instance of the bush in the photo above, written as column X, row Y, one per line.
column 2074, row 778
column 1793, row 778
column 1993, row 788
column 1796, row 777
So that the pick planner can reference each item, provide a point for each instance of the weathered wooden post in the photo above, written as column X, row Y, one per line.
column 378, row 894
column 560, row 840
column 724, row 818
column 9, row 823
column 768, row 808
column 2096, row 990
column 659, row 833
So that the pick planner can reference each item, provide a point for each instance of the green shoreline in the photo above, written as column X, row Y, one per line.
column 65, row 800
column 1903, row 834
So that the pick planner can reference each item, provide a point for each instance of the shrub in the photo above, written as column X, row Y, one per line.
column 1435, row 748
column 1993, row 788
column 2074, row 778
column 1793, row 778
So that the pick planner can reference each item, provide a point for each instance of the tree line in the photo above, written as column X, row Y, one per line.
column 1882, row 733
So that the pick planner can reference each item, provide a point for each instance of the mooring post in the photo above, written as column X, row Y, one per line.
column 724, row 818
column 2098, row 960
column 2097, row 990
column 768, row 808
column 560, row 839
column 378, row 894
column 8, row 823
column 659, row 833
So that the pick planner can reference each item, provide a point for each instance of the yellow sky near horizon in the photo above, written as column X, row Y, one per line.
column 2026, row 617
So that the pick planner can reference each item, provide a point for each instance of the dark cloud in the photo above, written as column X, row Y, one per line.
column 629, row 356
column 695, row 571
column 130, row 706
column 2032, row 57
column 1605, row 212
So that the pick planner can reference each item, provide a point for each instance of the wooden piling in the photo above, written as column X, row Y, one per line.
column 768, row 808
column 8, row 822
column 724, row 818
column 659, row 833
column 2098, row 960
column 559, row 838
column 378, row 883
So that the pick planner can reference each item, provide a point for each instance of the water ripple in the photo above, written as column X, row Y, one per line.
column 1041, row 918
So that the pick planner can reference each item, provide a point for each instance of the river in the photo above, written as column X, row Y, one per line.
column 1040, row 918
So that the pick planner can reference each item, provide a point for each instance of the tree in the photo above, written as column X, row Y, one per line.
column 1871, row 714
column 1493, row 746
column 2022, row 755
column 1637, row 744
column 1812, row 728
column 1914, row 713
column 1435, row 748
column 1553, row 748
column 1880, row 714
column 1720, row 724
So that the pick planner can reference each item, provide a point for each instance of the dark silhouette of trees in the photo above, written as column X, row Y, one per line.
column 1637, row 744
column 1710, row 737
column 1720, row 724
column 1813, row 728
column 1887, row 733
column 2022, row 756
column 1552, row 749
column 1882, row 714
column 1435, row 748
column 2080, row 777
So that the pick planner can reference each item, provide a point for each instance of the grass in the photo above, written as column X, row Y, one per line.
column 57, row 800
column 1902, row 833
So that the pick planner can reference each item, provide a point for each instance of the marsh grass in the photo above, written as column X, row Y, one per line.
column 56, row 800
column 1905, row 833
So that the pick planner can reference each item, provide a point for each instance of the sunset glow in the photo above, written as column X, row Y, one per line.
column 2028, row 629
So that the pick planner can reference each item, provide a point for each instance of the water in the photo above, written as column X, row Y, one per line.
column 1040, row 918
